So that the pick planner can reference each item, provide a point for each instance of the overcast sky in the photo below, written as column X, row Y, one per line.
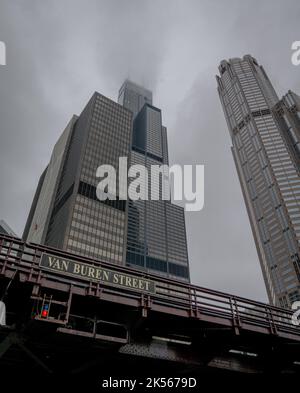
column 60, row 52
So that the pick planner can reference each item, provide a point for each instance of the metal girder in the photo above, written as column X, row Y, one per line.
column 33, row 356
column 8, row 341
column 15, row 338
column 159, row 350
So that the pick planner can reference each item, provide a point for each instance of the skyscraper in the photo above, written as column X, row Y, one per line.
column 134, row 97
column 5, row 229
column 66, row 212
column 267, row 171
column 156, row 237
column 287, row 112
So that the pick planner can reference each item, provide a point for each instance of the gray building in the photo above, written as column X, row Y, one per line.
column 156, row 238
column 287, row 113
column 267, row 171
column 5, row 229
column 134, row 97
column 66, row 212
column 39, row 215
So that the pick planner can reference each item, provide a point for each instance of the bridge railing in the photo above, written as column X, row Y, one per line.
column 194, row 301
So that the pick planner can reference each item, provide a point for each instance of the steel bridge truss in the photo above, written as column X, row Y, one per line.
column 54, row 318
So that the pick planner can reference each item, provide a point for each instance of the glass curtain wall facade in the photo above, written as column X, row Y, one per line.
column 77, row 221
column 134, row 97
column 156, row 239
column 267, row 173
column 287, row 113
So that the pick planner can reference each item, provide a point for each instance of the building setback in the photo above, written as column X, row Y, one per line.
column 156, row 238
column 267, row 169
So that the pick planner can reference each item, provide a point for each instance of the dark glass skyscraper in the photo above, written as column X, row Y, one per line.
column 264, row 135
column 156, row 237
column 66, row 212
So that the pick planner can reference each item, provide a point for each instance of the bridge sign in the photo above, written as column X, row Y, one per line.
column 89, row 272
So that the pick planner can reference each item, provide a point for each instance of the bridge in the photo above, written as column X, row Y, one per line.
column 65, row 311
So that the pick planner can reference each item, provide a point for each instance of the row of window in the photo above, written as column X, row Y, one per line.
column 157, row 264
